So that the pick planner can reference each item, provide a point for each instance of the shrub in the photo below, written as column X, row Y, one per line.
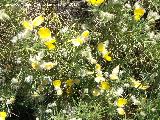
column 73, row 60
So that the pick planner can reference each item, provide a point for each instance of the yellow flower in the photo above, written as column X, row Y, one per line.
column 95, row 2
column 49, row 44
column 48, row 65
column 121, row 102
column 69, row 83
column 78, row 41
column 35, row 65
column 104, row 85
column 3, row 115
column 121, row 111
column 44, row 33
column 99, row 78
column 98, row 67
column 56, row 84
column 96, row 92
column 27, row 25
column 107, row 57
column 85, row 34
column 116, row 70
column 113, row 77
column 38, row 21
column 101, row 47
column 138, row 13
column 139, row 85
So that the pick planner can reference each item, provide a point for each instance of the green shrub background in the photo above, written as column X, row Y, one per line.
column 134, row 46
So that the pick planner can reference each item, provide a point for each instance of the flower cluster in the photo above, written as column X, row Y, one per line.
column 44, row 33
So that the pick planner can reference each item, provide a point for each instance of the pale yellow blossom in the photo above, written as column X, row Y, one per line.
column 31, row 24
column 48, row 65
column 27, row 25
column 101, row 47
column 35, row 65
column 85, row 34
column 139, row 85
column 59, row 91
column 77, row 41
column 114, row 74
column 98, row 67
column 99, row 78
column 121, row 111
column 38, row 21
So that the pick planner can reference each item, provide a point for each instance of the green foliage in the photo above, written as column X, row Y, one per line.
column 96, row 57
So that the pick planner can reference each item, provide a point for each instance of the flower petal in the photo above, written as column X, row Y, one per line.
column 44, row 33
column 27, row 25
column 38, row 21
